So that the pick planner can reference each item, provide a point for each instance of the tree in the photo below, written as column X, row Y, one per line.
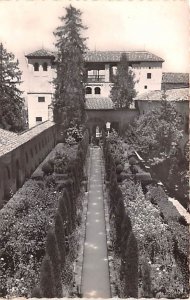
column 11, row 102
column 47, row 279
column 158, row 131
column 69, row 89
column 123, row 90
column 52, row 251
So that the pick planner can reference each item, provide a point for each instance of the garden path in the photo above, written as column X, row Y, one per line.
column 95, row 275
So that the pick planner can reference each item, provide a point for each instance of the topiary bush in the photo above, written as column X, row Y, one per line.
column 47, row 279
column 52, row 251
column 47, row 168
column 60, row 237
column 130, row 262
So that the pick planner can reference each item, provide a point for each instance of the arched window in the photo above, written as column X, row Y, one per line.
column 97, row 90
column 36, row 66
column 88, row 90
column 45, row 66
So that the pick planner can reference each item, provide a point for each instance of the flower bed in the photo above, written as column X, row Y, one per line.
column 147, row 244
column 27, row 218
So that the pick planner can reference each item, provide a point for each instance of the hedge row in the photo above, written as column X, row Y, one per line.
column 64, row 224
column 46, row 202
column 150, row 265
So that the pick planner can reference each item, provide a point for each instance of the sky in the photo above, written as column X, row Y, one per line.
column 158, row 26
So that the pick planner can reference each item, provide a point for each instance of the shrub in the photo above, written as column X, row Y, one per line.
column 47, row 168
column 131, row 267
column 117, row 160
column 53, row 252
column 132, row 161
column 126, row 228
column 60, row 237
column 119, row 169
column 36, row 292
column 62, row 209
column 47, row 279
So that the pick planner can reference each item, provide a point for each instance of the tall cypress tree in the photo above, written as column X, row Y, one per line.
column 123, row 90
column 11, row 102
column 69, row 89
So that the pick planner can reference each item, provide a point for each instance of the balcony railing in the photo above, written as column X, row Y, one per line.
column 96, row 78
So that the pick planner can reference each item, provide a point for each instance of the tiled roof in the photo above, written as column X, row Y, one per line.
column 172, row 95
column 6, row 136
column 175, row 78
column 10, row 140
column 99, row 103
column 114, row 56
column 105, row 56
column 41, row 53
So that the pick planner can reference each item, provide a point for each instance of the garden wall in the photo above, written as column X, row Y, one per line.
column 20, row 156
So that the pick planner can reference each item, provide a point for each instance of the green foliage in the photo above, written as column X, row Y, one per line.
column 123, row 90
column 60, row 237
column 119, row 169
column 47, row 168
column 160, row 232
column 24, row 224
column 73, row 134
column 52, row 251
column 131, row 267
column 36, row 292
column 156, row 133
column 47, row 279
column 69, row 89
column 11, row 102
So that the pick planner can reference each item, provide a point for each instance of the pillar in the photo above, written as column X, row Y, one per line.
column 107, row 73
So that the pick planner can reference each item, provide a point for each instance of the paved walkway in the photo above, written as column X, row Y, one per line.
column 95, row 276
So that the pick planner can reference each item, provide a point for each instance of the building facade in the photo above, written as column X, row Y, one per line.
column 100, row 68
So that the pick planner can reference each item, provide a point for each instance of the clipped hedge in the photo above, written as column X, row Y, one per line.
column 26, row 219
column 152, row 268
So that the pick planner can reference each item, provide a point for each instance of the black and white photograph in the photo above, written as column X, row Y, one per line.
column 94, row 149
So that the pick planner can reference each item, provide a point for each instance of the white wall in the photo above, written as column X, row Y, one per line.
column 38, row 109
column 141, row 70
column 39, row 85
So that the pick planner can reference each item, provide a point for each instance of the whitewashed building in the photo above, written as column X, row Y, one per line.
column 100, row 68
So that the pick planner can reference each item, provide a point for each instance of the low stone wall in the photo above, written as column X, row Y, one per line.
column 21, row 154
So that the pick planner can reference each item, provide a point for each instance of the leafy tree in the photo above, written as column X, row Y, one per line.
column 11, row 102
column 69, row 89
column 158, row 131
column 123, row 90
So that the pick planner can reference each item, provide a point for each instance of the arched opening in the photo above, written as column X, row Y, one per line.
column 88, row 90
column 45, row 66
column 36, row 67
column 97, row 91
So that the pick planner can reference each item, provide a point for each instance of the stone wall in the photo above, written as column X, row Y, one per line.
column 20, row 156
